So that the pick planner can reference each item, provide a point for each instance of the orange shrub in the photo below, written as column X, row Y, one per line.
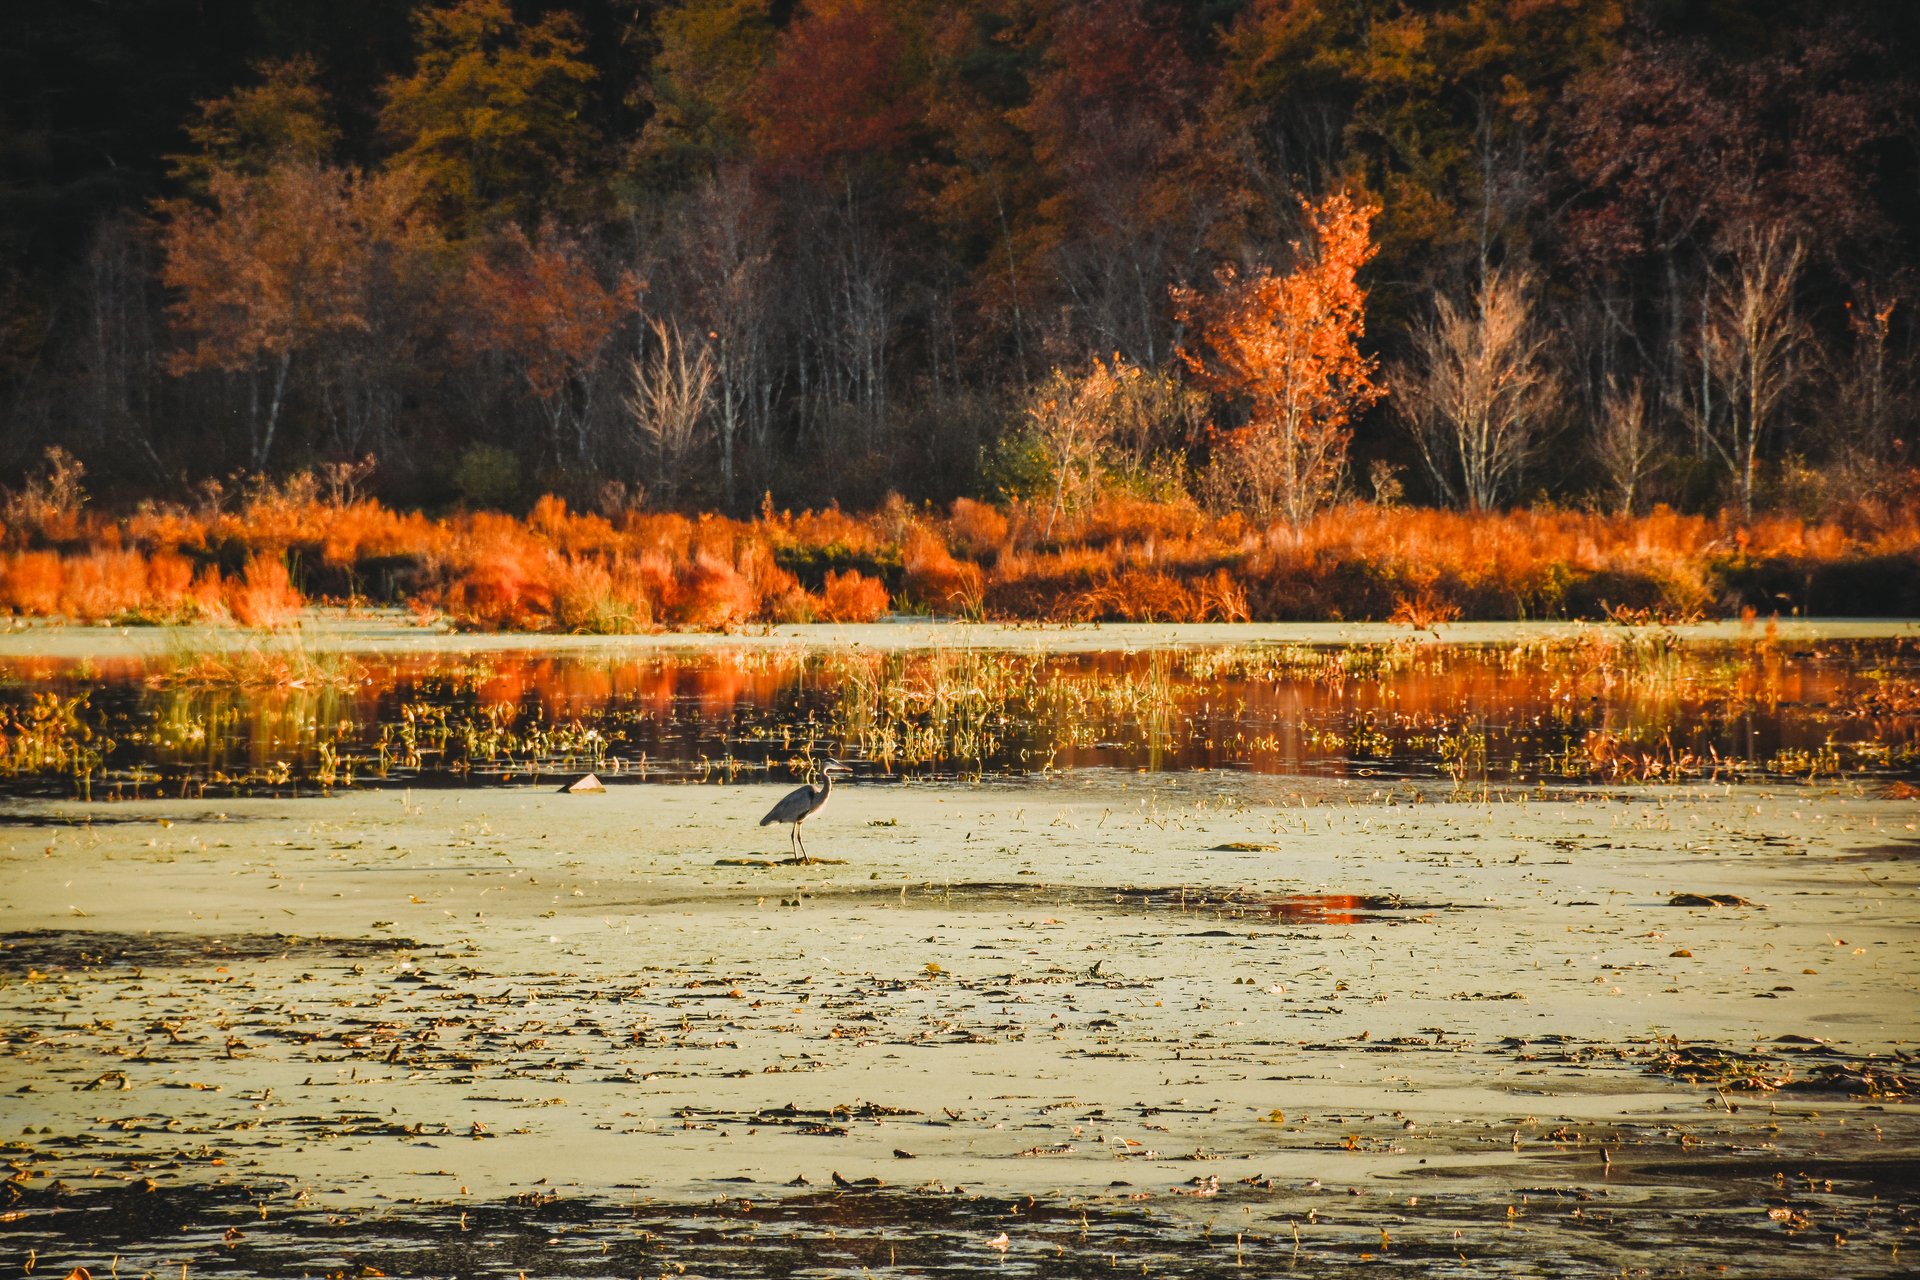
column 1121, row 517
column 710, row 595
column 937, row 580
column 852, row 597
column 31, row 582
column 824, row 530
column 264, row 596
column 582, row 596
column 104, row 584
column 780, row 596
column 665, row 533
column 1125, row 558
column 977, row 528
column 1138, row 596
column 172, row 593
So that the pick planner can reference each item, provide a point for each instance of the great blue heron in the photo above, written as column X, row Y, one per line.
column 802, row 803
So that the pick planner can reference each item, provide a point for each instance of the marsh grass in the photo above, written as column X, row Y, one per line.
column 1127, row 559
column 265, row 661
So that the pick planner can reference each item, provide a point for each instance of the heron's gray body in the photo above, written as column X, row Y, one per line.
column 802, row 803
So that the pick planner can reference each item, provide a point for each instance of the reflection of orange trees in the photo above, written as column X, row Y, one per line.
column 51, row 734
column 1603, row 707
column 1660, row 761
column 1319, row 908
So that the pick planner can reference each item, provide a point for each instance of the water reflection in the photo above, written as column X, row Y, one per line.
column 1600, row 708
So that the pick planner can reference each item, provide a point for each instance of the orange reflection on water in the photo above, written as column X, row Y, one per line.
column 1575, row 710
column 1318, row 908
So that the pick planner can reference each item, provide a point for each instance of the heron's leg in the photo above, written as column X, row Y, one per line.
column 804, row 859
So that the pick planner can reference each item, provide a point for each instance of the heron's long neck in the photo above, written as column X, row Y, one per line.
column 826, row 786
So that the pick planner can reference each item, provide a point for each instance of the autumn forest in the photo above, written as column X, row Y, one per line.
column 556, row 314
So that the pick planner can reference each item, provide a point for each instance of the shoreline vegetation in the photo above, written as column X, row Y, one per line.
column 259, row 561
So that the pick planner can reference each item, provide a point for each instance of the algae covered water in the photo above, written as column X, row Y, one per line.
column 1565, row 957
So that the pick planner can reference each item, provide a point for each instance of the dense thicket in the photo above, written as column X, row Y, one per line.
column 690, row 253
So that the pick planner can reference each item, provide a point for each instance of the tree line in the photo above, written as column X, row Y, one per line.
column 709, row 254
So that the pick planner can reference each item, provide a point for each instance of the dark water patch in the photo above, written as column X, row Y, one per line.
column 1698, row 1217
column 62, row 950
column 55, row 817
column 825, row 1122
column 1896, row 851
column 1811, row 1174
column 1238, row 905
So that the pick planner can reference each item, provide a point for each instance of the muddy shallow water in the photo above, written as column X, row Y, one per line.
column 1093, row 1021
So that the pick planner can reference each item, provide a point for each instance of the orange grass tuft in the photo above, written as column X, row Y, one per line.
column 107, row 584
column 852, row 597
column 977, row 528
column 711, row 595
column 936, row 579
column 264, row 596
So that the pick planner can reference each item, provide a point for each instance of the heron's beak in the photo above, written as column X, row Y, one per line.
column 838, row 765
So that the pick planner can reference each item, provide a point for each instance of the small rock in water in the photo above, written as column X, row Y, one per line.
column 590, row 783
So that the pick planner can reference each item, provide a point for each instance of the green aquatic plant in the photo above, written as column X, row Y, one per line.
column 53, row 736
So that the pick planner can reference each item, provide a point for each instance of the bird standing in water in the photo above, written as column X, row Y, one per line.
column 802, row 803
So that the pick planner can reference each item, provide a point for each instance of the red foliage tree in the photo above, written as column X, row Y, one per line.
column 547, row 308
column 278, row 264
column 841, row 86
column 1288, row 345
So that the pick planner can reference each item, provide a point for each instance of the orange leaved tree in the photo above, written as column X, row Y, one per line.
column 493, row 115
column 1288, row 347
column 272, row 267
column 550, row 311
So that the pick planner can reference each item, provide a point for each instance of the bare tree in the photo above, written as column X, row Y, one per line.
column 1478, row 392
column 726, row 248
column 1075, row 418
column 671, row 404
column 1869, row 384
column 1623, row 442
column 1748, row 354
column 849, row 309
column 120, row 346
